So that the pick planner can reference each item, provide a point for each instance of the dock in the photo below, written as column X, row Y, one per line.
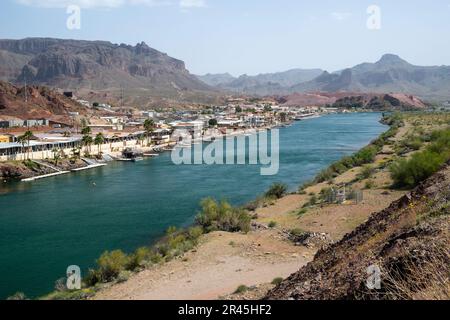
column 91, row 166
column 45, row 176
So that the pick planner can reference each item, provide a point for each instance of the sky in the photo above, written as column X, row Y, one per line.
column 248, row 36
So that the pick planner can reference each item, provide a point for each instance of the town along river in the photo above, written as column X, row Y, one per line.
column 49, row 224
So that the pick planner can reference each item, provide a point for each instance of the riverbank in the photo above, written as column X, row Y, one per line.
column 225, row 261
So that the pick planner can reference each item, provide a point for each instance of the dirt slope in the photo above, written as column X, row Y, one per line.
column 408, row 241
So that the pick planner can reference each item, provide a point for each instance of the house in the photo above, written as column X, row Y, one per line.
column 36, row 123
column 161, row 136
column 7, row 138
column 14, row 123
column 194, row 128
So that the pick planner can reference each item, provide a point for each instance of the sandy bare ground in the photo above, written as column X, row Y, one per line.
column 220, row 264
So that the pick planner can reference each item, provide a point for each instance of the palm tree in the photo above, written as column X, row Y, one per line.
column 86, row 131
column 22, row 141
column 149, row 127
column 87, row 139
column 99, row 140
column 26, row 137
column 87, row 142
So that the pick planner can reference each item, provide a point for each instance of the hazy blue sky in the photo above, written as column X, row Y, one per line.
column 248, row 36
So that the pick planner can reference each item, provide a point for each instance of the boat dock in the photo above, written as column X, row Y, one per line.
column 91, row 166
column 45, row 176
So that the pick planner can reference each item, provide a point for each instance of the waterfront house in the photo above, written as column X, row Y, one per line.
column 161, row 136
column 36, row 123
column 12, row 123
column 194, row 128
column 7, row 138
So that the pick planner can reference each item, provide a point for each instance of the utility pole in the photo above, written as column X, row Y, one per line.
column 121, row 96
column 26, row 93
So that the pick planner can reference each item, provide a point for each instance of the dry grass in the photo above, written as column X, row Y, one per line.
column 420, row 278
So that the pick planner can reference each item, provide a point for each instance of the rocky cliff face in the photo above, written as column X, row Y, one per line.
column 94, row 65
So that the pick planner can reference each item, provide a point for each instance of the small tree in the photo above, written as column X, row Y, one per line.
column 56, row 156
column 99, row 140
column 26, row 137
column 149, row 127
column 213, row 122
column 87, row 142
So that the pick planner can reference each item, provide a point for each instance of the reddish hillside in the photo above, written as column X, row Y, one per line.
column 36, row 102
column 356, row 100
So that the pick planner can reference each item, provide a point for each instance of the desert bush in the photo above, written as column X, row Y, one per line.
column 18, row 296
column 370, row 184
column 272, row 224
column 277, row 191
column 366, row 172
column 111, row 264
column 221, row 216
column 138, row 258
column 277, row 281
column 421, row 165
column 409, row 173
column 241, row 289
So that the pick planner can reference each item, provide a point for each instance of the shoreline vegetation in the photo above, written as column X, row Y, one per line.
column 419, row 154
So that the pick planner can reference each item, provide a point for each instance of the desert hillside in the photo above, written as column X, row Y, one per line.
column 408, row 241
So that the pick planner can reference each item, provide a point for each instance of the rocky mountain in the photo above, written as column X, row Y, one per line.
column 97, row 65
column 215, row 80
column 262, row 84
column 36, row 102
column 389, row 74
column 407, row 242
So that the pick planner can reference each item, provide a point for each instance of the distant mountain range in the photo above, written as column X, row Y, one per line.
column 98, row 65
column 262, row 84
column 100, row 69
column 389, row 74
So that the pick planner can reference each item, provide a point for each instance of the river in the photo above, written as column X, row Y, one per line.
column 49, row 224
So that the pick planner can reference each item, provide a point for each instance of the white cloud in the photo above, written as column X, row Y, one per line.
column 193, row 3
column 90, row 3
column 341, row 16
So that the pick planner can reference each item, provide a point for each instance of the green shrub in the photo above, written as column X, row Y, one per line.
column 370, row 184
column 111, row 264
column 297, row 232
column 272, row 224
column 221, row 216
column 241, row 289
column 18, row 296
column 366, row 172
column 277, row 191
column 138, row 258
column 409, row 173
column 277, row 281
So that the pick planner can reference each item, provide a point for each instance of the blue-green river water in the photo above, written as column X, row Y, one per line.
column 49, row 224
